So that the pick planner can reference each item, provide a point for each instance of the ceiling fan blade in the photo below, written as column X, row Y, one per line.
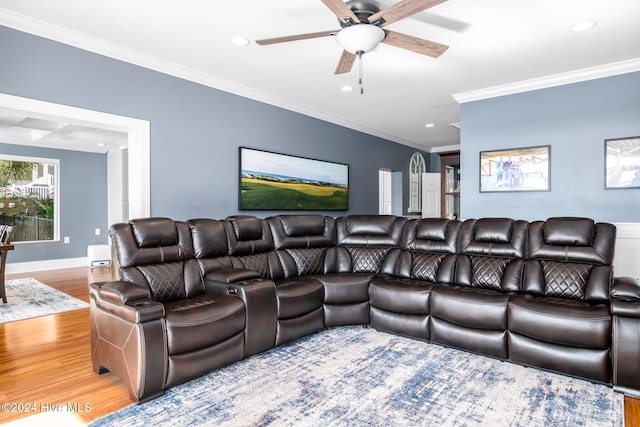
column 297, row 37
column 414, row 44
column 403, row 9
column 341, row 10
column 346, row 62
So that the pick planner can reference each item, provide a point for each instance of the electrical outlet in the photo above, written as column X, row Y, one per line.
column 97, row 231
column 66, row 239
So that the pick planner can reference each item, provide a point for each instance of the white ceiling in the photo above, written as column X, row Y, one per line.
column 496, row 47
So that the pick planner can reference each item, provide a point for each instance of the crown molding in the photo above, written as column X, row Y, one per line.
column 82, row 41
column 445, row 149
column 576, row 76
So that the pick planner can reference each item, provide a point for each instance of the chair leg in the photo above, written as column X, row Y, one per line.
column 3, row 261
column 3, row 292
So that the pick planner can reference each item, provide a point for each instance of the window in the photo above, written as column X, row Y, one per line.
column 28, row 197
column 417, row 167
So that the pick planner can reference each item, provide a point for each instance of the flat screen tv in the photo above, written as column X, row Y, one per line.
column 273, row 181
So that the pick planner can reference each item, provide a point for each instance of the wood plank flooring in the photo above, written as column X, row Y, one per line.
column 45, row 363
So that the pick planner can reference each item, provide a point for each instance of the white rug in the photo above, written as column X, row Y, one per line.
column 27, row 298
column 361, row 377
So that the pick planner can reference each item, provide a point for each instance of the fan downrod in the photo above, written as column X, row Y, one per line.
column 363, row 9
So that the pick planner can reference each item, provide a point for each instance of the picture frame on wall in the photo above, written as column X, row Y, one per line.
column 274, row 181
column 622, row 163
column 515, row 169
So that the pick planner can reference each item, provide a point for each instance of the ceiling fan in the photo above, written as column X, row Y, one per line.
column 362, row 30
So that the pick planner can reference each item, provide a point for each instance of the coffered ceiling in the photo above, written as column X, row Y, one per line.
column 495, row 47
column 27, row 128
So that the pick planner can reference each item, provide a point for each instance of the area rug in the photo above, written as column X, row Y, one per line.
column 354, row 376
column 27, row 298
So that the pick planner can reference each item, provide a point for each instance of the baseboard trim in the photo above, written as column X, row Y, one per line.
column 52, row 264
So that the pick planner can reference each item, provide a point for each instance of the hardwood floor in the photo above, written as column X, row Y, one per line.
column 45, row 363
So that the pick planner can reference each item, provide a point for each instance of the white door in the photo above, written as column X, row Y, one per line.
column 431, row 195
column 385, row 193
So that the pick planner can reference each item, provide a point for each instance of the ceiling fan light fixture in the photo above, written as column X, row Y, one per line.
column 360, row 38
column 240, row 41
column 583, row 26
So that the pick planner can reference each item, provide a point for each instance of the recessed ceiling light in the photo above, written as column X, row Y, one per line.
column 346, row 88
column 429, row 125
column 583, row 26
column 240, row 41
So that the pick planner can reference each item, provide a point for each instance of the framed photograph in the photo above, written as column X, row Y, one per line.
column 622, row 163
column 272, row 181
column 517, row 169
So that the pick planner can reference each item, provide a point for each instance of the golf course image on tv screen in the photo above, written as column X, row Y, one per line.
column 272, row 181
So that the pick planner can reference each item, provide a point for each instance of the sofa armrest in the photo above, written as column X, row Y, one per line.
column 259, row 298
column 231, row 275
column 625, row 297
column 625, row 346
column 127, row 300
column 626, row 288
column 128, row 337
column 122, row 291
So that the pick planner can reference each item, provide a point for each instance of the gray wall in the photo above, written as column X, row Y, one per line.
column 195, row 130
column 83, row 203
column 574, row 120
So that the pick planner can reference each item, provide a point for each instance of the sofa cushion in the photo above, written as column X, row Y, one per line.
column 298, row 296
column 301, row 262
column 568, row 231
column 247, row 235
column 345, row 288
column 483, row 341
column 561, row 321
column 370, row 230
column 203, row 321
column 573, row 240
column 152, row 232
column 497, row 230
column 406, row 296
column 470, row 307
column 495, row 237
column 431, row 235
column 303, row 225
column 302, row 231
column 209, row 238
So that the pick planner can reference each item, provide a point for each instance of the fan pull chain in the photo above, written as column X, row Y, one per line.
column 359, row 53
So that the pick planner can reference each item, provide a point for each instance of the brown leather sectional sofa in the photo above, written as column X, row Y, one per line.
column 197, row 295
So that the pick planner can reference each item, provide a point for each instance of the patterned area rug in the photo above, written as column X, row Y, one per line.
column 361, row 377
column 27, row 298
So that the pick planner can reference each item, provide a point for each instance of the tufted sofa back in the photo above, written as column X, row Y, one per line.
column 429, row 250
column 153, row 253
column 250, row 243
column 564, row 257
column 210, row 245
column 368, row 243
column 492, row 252
column 570, row 258
column 301, row 243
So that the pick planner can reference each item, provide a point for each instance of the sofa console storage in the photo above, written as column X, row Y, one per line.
column 196, row 295
column 259, row 298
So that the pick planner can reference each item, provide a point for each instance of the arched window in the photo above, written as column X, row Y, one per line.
column 417, row 166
